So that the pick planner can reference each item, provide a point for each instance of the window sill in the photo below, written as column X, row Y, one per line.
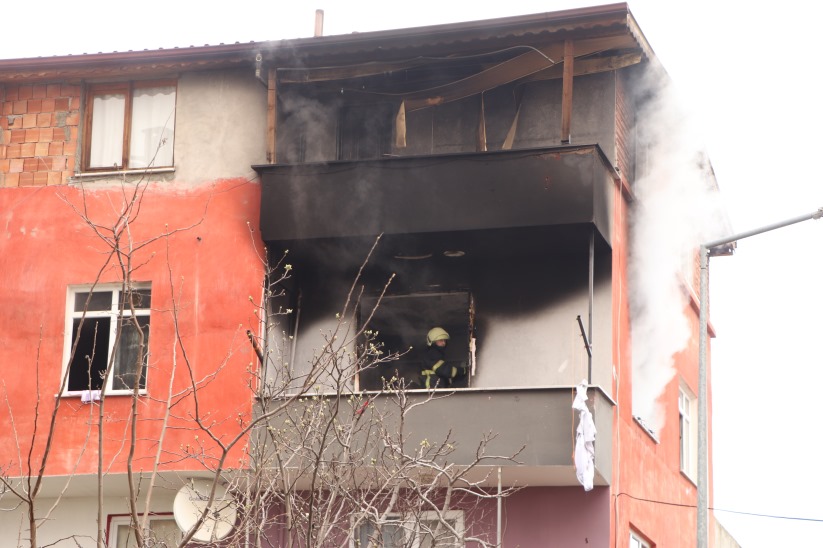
column 688, row 477
column 90, row 175
column 643, row 426
column 108, row 394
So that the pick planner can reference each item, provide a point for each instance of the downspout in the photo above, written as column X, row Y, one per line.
column 568, row 84
column 591, row 299
column 270, row 82
column 293, row 349
column 499, row 507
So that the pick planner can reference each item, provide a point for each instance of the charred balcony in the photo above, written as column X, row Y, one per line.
column 499, row 247
column 502, row 249
column 452, row 193
column 386, row 137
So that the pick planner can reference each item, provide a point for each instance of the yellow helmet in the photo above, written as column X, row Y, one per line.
column 436, row 334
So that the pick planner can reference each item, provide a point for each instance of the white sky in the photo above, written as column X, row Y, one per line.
column 748, row 71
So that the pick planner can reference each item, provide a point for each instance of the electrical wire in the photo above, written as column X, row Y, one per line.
column 772, row 516
column 795, row 518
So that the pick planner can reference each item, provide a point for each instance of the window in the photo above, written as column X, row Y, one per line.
column 688, row 432
column 130, row 125
column 364, row 131
column 433, row 533
column 369, row 535
column 114, row 331
column 401, row 323
column 163, row 531
column 636, row 541
column 426, row 531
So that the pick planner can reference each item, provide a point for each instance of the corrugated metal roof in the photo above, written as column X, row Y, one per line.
column 485, row 35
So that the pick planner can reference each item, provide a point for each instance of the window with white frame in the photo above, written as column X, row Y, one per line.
column 388, row 534
column 432, row 531
column 636, row 541
column 688, row 432
column 428, row 529
column 130, row 125
column 162, row 531
column 110, row 327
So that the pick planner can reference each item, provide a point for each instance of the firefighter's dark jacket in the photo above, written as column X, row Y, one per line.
column 436, row 364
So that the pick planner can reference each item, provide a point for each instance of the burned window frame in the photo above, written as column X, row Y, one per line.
column 412, row 341
column 81, row 316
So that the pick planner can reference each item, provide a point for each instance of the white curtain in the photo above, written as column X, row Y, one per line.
column 107, row 130
column 152, row 127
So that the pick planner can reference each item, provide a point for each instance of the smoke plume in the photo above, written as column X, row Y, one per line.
column 677, row 207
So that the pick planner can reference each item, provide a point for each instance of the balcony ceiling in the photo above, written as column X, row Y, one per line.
column 434, row 65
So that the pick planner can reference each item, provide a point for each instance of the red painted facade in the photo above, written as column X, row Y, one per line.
column 48, row 247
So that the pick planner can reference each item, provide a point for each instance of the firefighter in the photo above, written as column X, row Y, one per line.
column 437, row 370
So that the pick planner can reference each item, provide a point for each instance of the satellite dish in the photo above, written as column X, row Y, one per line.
column 191, row 501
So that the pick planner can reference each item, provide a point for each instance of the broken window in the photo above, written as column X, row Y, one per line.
column 130, row 125
column 111, row 328
column 364, row 131
column 398, row 325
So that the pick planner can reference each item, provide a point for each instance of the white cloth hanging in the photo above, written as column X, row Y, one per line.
column 89, row 396
column 584, row 444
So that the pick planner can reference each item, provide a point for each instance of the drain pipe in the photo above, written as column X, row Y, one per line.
column 499, row 507
column 591, row 300
column 258, row 69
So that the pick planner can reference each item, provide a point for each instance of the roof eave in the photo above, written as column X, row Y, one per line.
column 611, row 18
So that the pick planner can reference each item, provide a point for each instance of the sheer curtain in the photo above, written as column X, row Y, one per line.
column 152, row 127
column 107, row 130
column 128, row 358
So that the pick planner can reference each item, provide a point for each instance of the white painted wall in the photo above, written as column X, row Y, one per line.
column 72, row 522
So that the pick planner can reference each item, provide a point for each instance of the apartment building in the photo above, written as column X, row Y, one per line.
column 202, row 244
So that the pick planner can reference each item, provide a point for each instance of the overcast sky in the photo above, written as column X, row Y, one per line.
column 749, row 77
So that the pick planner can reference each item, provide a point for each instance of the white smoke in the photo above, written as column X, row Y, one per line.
column 677, row 207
